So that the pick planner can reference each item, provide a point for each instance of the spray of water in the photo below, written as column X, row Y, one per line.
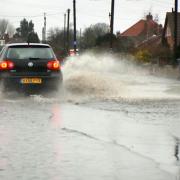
column 111, row 77
column 108, row 77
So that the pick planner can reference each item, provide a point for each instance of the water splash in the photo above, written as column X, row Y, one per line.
column 111, row 77
column 108, row 77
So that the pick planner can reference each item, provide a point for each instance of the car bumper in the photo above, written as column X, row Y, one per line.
column 16, row 82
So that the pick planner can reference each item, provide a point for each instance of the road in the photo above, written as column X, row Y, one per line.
column 110, row 121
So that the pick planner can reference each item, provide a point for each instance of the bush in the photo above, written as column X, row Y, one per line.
column 143, row 56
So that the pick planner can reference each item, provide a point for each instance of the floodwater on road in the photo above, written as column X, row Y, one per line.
column 112, row 120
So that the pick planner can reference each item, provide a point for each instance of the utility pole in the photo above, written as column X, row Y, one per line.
column 80, row 36
column 112, row 23
column 44, row 27
column 65, row 32
column 75, row 38
column 42, row 34
column 175, row 31
column 109, row 22
column 68, row 20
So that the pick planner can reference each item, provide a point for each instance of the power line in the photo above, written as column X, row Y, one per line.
column 58, row 13
column 162, row 4
column 7, row 16
column 26, row 16
column 159, row 1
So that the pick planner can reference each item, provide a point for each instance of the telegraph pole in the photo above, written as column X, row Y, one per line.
column 64, row 32
column 112, row 23
column 68, row 20
column 80, row 36
column 44, row 27
column 175, row 31
column 109, row 22
column 42, row 34
column 75, row 38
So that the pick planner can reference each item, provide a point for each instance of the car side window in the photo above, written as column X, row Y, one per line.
column 2, row 53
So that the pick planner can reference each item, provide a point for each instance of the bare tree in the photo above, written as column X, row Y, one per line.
column 156, row 18
column 3, row 26
column 10, row 30
column 91, row 34
column 56, row 39
column 6, row 28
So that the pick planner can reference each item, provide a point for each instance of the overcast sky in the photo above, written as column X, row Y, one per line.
column 127, row 12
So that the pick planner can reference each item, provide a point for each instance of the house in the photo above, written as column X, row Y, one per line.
column 168, row 32
column 4, row 38
column 143, row 30
column 152, row 43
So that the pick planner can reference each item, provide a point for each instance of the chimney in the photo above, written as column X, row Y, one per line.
column 149, row 17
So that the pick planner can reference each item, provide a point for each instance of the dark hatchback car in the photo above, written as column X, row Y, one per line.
column 29, row 66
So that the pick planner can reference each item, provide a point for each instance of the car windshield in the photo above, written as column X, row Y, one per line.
column 30, row 53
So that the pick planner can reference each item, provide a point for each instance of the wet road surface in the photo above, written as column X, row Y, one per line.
column 40, row 139
column 126, row 128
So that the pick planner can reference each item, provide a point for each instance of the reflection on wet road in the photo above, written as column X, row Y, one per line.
column 43, row 139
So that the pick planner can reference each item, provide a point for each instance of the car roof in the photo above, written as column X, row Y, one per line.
column 27, row 44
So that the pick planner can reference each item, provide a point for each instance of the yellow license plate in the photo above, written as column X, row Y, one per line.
column 31, row 80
